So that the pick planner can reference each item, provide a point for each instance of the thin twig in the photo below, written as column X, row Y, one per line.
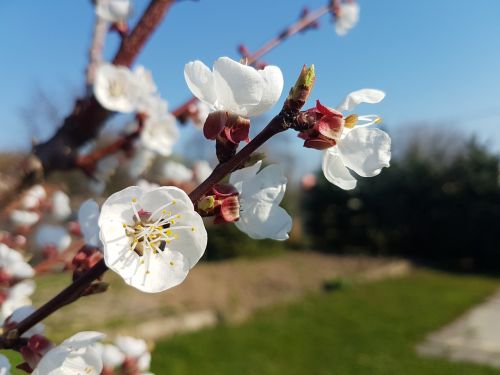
column 96, row 47
column 302, row 24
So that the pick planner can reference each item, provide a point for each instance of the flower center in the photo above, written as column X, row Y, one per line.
column 151, row 233
column 116, row 89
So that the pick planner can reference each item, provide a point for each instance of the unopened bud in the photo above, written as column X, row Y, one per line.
column 300, row 92
column 206, row 203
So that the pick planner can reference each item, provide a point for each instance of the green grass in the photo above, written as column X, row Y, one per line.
column 361, row 329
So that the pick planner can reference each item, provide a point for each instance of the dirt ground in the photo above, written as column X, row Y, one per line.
column 229, row 290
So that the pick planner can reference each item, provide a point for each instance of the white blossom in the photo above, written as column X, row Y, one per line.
column 174, row 171
column 131, row 346
column 235, row 87
column 116, row 88
column 136, row 349
column 88, row 215
column 60, row 206
column 113, row 10
column 112, row 357
column 151, row 238
column 140, row 162
column 77, row 355
column 260, row 196
column 21, row 217
column 364, row 150
column 347, row 17
column 32, row 197
column 13, row 263
column 17, row 296
column 160, row 134
column 48, row 234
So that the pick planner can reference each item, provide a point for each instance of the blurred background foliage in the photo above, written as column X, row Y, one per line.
column 435, row 204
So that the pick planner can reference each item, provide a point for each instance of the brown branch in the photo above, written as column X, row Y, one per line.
column 73, row 291
column 88, row 116
column 283, row 121
column 133, row 43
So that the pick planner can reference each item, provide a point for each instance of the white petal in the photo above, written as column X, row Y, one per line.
column 160, row 134
column 366, row 151
column 48, row 234
column 200, row 81
column 117, row 203
column 237, row 86
column 263, row 220
column 112, row 356
column 131, row 346
column 21, row 217
column 335, row 170
column 113, row 10
column 152, row 199
column 273, row 86
column 60, row 206
column 347, row 18
column 268, row 185
column 370, row 96
column 172, row 170
column 244, row 173
column 88, row 217
column 83, row 339
column 116, row 88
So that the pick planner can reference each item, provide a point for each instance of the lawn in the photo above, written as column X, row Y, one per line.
column 360, row 329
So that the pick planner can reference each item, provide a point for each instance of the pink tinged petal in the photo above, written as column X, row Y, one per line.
column 273, row 86
column 214, row 124
column 229, row 210
column 324, row 110
column 224, row 190
column 200, row 81
column 370, row 96
column 331, row 126
column 264, row 220
column 239, row 132
column 336, row 172
column 237, row 86
column 319, row 144
column 366, row 151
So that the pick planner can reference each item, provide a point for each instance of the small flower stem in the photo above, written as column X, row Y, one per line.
column 302, row 24
column 88, row 163
column 223, row 169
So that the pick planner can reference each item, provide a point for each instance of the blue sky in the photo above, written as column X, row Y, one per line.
column 438, row 61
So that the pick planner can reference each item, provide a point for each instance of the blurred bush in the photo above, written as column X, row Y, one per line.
column 426, row 206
